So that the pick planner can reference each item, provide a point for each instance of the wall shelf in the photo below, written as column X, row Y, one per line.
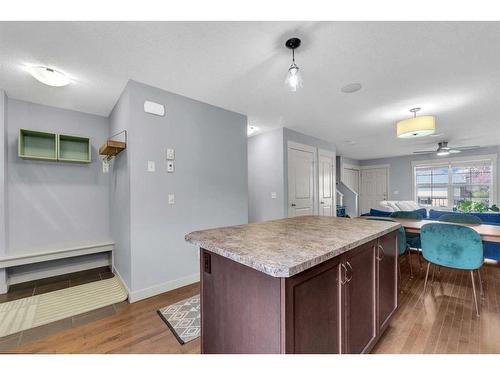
column 74, row 149
column 112, row 148
column 37, row 145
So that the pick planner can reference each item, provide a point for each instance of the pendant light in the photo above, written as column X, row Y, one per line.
column 293, row 78
column 416, row 126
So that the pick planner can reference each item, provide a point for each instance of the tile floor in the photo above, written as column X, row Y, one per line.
column 51, row 284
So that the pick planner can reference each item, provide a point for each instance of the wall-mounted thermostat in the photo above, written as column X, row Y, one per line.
column 154, row 108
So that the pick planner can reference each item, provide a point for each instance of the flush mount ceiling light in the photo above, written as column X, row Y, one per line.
column 416, row 126
column 293, row 78
column 350, row 88
column 49, row 76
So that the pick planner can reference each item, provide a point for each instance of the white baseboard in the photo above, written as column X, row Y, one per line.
column 138, row 295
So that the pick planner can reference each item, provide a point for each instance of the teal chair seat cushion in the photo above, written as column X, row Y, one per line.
column 451, row 245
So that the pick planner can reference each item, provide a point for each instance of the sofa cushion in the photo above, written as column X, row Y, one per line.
column 407, row 205
column 374, row 212
column 387, row 206
column 486, row 217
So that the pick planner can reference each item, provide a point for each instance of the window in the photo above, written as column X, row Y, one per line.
column 443, row 184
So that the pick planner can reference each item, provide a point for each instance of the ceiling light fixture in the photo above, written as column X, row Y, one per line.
column 293, row 78
column 416, row 126
column 49, row 76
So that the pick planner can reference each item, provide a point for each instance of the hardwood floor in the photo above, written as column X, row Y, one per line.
column 443, row 322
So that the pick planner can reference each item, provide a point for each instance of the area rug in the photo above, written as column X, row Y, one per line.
column 30, row 312
column 183, row 318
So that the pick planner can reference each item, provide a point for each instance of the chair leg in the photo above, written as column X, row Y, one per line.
column 474, row 292
column 426, row 277
column 481, row 291
column 433, row 271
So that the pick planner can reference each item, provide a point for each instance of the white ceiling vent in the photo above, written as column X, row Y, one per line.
column 154, row 108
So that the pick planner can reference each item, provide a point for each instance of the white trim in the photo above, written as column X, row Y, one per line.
column 450, row 161
column 154, row 290
column 43, row 256
column 301, row 147
column 331, row 155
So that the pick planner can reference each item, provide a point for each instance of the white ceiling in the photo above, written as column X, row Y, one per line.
column 450, row 69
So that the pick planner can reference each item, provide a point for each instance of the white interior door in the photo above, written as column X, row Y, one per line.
column 326, row 187
column 300, row 181
column 373, row 188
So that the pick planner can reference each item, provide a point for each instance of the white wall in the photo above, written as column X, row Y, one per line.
column 3, row 160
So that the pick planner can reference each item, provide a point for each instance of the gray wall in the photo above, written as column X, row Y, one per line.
column 400, row 174
column 53, row 204
column 119, row 198
column 3, row 157
column 268, row 171
column 265, row 175
column 209, row 183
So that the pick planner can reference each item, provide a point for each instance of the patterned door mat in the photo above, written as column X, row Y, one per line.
column 183, row 318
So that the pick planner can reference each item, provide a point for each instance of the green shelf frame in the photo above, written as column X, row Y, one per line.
column 33, row 144
column 38, row 145
column 74, row 149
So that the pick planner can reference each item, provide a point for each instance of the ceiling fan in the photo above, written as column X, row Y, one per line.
column 443, row 149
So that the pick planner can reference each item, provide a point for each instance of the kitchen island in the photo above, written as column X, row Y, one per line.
column 309, row 284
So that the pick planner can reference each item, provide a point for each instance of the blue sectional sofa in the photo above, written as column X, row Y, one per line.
column 491, row 249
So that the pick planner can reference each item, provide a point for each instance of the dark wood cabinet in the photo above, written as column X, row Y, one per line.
column 342, row 305
column 359, row 290
column 387, row 289
column 312, row 317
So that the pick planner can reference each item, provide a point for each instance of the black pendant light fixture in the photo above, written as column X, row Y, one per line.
column 293, row 78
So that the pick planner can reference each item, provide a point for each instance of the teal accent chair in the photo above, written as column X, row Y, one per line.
column 412, row 239
column 402, row 245
column 453, row 246
column 459, row 218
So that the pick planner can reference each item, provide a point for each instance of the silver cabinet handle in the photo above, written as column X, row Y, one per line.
column 380, row 254
column 345, row 274
column 350, row 267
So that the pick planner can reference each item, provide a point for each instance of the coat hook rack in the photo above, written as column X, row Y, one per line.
column 111, row 148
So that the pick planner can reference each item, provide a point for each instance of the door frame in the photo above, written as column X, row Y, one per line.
column 314, row 151
column 332, row 156
column 387, row 167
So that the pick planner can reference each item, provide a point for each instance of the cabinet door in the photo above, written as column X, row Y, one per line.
column 387, row 261
column 313, row 310
column 359, row 286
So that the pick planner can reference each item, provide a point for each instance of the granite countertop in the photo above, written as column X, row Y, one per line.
column 283, row 248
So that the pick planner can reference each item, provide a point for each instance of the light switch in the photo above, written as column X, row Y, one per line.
column 171, row 199
column 273, row 195
column 170, row 154
column 151, row 166
column 170, row 166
